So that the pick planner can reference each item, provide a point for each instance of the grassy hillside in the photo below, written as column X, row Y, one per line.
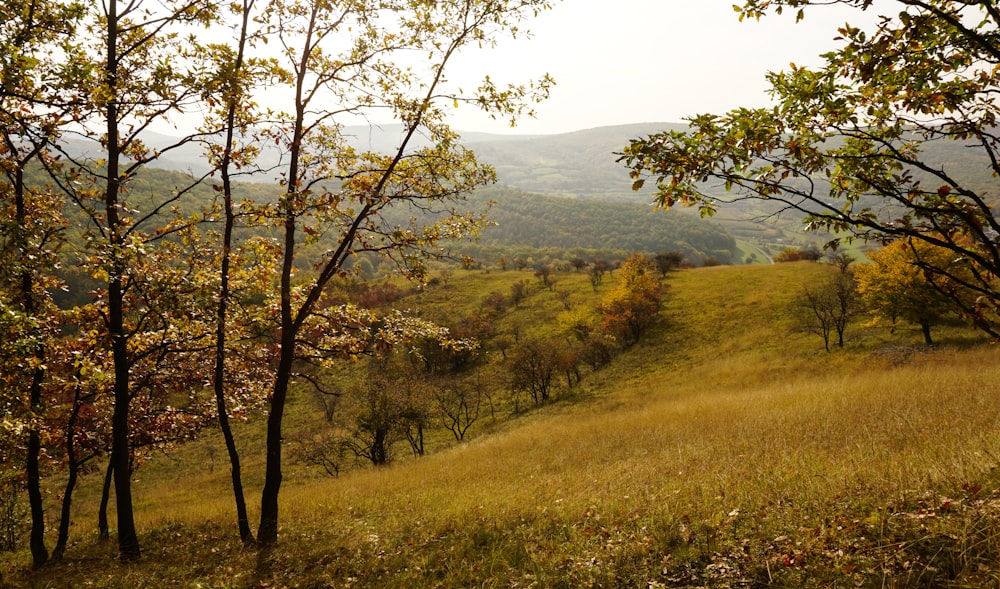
column 725, row 449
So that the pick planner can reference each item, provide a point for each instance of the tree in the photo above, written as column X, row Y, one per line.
column 632, row 305
column 391, row 403
column 667, row 262
column 894, row 286
column 80, row 411
column 458, row 401
column 338, row 60
column 532, row 368
column 596, row 272
column 36, row 102
column 140, row 73
column 544, row 273
column 830, row 306
column 794, row 254
column 854, row 146
column 236, row 77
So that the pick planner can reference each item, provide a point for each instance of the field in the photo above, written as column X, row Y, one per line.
column 725, row 449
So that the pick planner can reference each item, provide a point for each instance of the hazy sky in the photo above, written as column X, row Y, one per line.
column 632, row 61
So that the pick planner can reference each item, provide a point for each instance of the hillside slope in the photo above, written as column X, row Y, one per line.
column 725, row 449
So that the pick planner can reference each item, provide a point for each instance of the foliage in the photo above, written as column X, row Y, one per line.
column 533, row 368
column 667, row 262
column 12, row 513
column 847, row 145
column 160, row 295
column 631, row 307
column 530, row 224
column 895, row 287
column 350, row 62
column 792, row 254
column 37, row 104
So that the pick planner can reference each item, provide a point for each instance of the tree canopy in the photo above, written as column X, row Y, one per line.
column 844, row 144
column 894, row 287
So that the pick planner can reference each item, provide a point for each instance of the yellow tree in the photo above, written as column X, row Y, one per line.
column 896, row 285
column 634, row 302
column 140, row 66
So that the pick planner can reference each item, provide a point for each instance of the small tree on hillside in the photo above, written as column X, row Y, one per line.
column 597, row 271
column 632, row 305
column 518, row 292
column 830, row 306
column 793, row 254
column 532, row 369
column 667, row 262
column 458, row 402
column 544, row 273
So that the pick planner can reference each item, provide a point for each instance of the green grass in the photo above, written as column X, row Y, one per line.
column 725, row 449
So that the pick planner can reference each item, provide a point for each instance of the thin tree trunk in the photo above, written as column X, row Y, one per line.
column 925, row 327
column 64, row 517
column 74, row 471
column 128, row 540
column 39, row 553
column 219, row 377
column 103, row 530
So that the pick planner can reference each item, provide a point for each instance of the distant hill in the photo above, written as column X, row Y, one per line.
column 528, row 221
column 581, row 164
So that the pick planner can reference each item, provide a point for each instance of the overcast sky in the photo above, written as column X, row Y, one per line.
column 631, row 61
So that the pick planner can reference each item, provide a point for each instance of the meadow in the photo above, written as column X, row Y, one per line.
column 725, row 449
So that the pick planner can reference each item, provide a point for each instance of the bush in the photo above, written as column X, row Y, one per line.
column 793, row 254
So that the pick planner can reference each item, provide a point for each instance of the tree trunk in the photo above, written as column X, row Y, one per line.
column 267, row 531
column 128, row 540
column 64, row 517
column 219, row 376
column 925, row 327
column 103, row 530
column 242, row 519
column 39, row 553
column 74, row 470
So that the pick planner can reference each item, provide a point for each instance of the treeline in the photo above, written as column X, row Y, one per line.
column 526, row 230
